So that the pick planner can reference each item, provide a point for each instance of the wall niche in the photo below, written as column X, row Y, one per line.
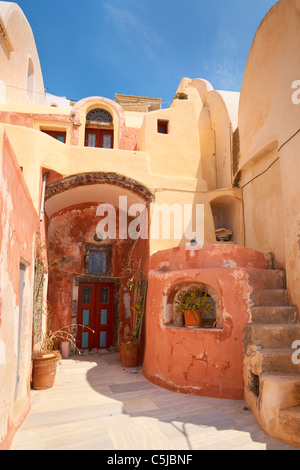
column 176, row 319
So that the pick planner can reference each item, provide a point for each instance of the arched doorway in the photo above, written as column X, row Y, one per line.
column 89, row 274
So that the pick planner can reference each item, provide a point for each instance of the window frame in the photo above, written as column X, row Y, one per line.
column 87, row 248
column 55, row 134
column 164, row 124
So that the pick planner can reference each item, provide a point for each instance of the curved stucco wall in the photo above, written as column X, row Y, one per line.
column 266, row 110
column 207, row 362
column 21, row 79
column 269, row 136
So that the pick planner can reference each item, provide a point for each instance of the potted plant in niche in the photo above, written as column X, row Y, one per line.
column 192, row 304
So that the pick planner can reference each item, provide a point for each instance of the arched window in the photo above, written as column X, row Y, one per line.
column 99, row 115
column 99, row 131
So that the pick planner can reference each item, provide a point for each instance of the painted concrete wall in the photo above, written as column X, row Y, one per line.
column 195, row 155
column 192, row 164
column 206, row 362
column 19, row 223
column 269, row 140
column 21, row 79
column 36, row 150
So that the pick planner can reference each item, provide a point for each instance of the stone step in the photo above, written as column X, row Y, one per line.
column 267, row 279
column 277, row 406
column 289, row 419
column 269, row 297
column 275, row 314
column 275, row 360
column 280, row 391
column 271, row 335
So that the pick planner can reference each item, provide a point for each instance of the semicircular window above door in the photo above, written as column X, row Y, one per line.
column 99, row 131
column 99, row 115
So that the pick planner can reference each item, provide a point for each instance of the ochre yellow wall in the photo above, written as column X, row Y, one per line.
column 180, row 167
column 269, row 142
column 14, row 62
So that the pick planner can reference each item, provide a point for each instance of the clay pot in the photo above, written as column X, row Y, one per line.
column 192, row 318
column 129, row 354
column 44, row 371
column 65, row 349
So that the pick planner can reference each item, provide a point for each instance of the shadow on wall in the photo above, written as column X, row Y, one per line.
column 227, row 215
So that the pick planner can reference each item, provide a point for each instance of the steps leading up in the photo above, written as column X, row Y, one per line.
column 290, row 419
column 274, row 360
column 272, row 377
column 271, row 335
column 267, row 279
column 277, row 314
column 269, row 297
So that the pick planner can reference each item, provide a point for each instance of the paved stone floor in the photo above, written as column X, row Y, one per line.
column 97, row 404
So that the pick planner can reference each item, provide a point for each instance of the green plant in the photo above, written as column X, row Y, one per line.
column 139, row 311
column 194, row 299
column 138, row 286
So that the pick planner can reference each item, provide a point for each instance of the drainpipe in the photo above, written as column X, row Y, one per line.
column 43, row 196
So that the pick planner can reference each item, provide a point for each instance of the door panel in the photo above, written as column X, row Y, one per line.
column 107, row 139
column 104, row 314
column 95, row 310
column 86, row 315
column 100, row 138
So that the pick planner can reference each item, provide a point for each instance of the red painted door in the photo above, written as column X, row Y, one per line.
column 101, row 138
column 95, row 311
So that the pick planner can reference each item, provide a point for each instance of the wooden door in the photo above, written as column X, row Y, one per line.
column 101, row 138
column 95, row 311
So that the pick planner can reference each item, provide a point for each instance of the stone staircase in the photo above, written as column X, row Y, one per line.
column 272, row 380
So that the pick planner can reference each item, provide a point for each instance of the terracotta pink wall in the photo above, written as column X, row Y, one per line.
column 19, row 224
column 130, row 138
column 128, row 135
column 206, row 362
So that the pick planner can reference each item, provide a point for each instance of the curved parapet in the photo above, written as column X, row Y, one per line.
column 205, row 361
column 268, row 164
column 267, row 112
column 207, row 256
column 21, row 79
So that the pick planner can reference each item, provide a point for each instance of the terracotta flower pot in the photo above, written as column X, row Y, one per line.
column 192, row 318
column 44, row 371
column 65, row 349
column 129, row 353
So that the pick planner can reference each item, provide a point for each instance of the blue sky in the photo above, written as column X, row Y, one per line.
column 142, row 47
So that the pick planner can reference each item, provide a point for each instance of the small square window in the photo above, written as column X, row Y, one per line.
column 97, row 261
column 162, row 127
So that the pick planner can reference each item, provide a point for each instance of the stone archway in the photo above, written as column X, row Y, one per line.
column 82, row 107
column 71, row 205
